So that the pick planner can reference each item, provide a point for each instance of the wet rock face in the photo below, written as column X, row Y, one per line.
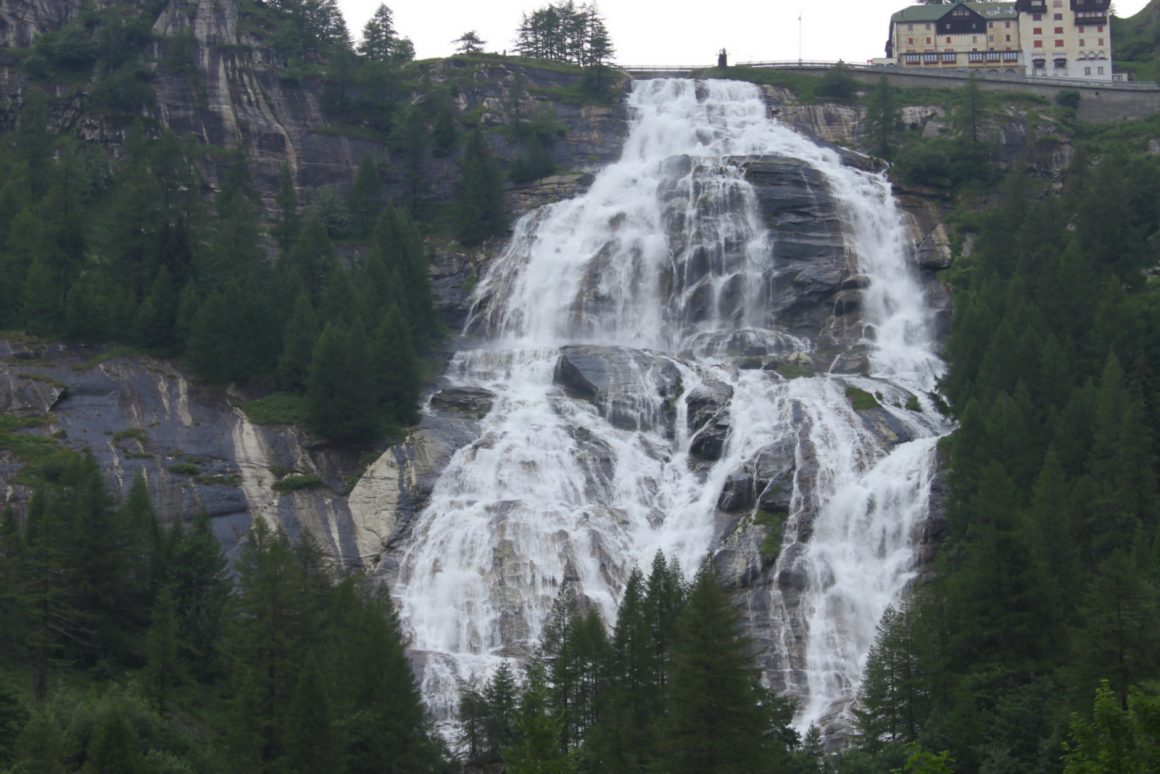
column 632, row 389
column 22, row 20
column 196, row 450
column 809, row 249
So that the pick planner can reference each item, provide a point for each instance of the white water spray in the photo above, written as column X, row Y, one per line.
column 649, row 283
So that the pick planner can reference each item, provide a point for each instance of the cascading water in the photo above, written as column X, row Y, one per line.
column 630, row 340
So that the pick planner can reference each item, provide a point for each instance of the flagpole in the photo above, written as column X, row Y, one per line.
column 799, row 38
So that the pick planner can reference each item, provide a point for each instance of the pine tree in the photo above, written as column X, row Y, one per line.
column 40, row 746
column 539, row 730
column 198, row 577
column 413, row 140
column 399, row 246
column 380, row 42
column 395, row 368
column 893, row 699
column 624, row 738
column 469, row 43
column 480, row 204
column 274, row 628
column 365, row 199
column 314, row 740
column 288, row 222
column 501, row 699
column 387, row 725
column 155, row 323
column 718, row 715
column 161, row 647
column 298, row 345
column 340, row 388
column 313, row 256
column 882, row 120
column 115, row 745
column 1122, row 739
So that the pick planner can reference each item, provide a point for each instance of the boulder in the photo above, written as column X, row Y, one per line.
column 709, row 443
column 470, row 401
column 632, row 389
column 706, row 401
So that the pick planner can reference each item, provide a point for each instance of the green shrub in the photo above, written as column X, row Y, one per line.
column 298, row 481
column 838, row 83
column 184, row 469
column 1068, row 98
column 861, row 400
column 278, row 409
column 771, row 543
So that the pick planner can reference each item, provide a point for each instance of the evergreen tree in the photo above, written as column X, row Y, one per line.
column 399, row 246
column 718, row 717
column 882, row 119
column 539, row 730
column 297, row 345
column 387, row 726
column 413, row 140
column 288, row 222
column 1117, row 739
column 40, row 747
column 198, row 577
column 380, row 42
column 365, row 201
column 314, row 741
column 395, row 370
column 469, row 43
column 155, row 323
column 340, row 388
column 480, row 204
column 501, row 700
column 893, row 699
column 275, row 627
column 313, row 256
column 161, row 648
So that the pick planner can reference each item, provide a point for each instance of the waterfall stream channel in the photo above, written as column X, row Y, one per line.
column 663, row 374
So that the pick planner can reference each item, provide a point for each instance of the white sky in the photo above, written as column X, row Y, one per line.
column 669, row 32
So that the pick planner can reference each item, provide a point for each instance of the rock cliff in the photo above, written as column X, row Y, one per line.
column 195, row 446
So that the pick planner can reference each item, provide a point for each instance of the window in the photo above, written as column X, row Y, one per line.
column 1100, row 69
column 1101, row 42
column 948, row 38
column 928, row 28
column 1038, row 44
column 1081, row 28
column 910, row 41
column 1057, row 3
column 974, row 39
column 1057, row 17
column 1059, row 44
column 1037, row 17
column 1100, row 28
column 1037, row 31
column 928, row 41
column 910, row 28
column 1008, row 38
column 1059, row 30
column 1007, row 25
column 1087, row 71
column 1081, row 43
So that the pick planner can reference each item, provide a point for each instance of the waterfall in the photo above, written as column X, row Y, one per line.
column 631, row 340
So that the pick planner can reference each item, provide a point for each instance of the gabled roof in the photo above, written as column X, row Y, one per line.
column 930, row 13
column 921, row 13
